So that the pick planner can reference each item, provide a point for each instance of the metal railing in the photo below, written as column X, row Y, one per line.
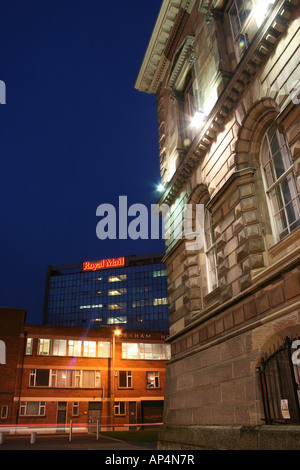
column 33, row 430
column 279, row 379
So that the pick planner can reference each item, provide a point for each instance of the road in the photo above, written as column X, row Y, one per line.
column 78, row 442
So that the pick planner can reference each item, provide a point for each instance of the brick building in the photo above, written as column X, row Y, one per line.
column 56, row 374
column 225, row 74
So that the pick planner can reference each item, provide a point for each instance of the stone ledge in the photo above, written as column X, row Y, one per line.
column 285, row 437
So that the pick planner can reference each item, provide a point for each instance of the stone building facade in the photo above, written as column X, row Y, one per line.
column 226, row 76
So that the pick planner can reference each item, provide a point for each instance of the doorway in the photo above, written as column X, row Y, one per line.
column 94, row 416
column 61, row 416
column 132, row 414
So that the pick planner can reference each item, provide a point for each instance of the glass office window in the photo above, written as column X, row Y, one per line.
column 89, row 348
column 103, row 349
column 44, row 347
column 59, row 347
column 74, row 348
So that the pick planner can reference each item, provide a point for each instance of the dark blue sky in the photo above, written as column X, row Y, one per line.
column 74, row 134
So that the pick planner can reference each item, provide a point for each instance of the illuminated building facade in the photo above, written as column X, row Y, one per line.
column 53, row 375
column 225, row 74
column 128, row 291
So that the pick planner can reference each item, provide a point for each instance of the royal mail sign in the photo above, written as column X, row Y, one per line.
column 103, row 264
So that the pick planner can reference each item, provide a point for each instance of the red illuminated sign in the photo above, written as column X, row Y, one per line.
column 103, row 264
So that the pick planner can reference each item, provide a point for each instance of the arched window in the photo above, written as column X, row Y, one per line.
column 280, row 183
column 210, row 252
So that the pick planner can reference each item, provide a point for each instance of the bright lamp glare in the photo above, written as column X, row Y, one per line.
column 198, row 119
column 160, row 188
column 260, row 10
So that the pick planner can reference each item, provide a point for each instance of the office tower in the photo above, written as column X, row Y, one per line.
column 130, row 292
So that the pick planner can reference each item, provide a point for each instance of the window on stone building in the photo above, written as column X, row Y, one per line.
column 238, row 15
column 210, row 252
column 280, row 183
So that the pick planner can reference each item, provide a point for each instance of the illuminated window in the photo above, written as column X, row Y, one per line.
column 130, row 351
column 152, row 379
column 74, row 348
column 116, row 320
column 160, row 272
column 59, row 347
column 149, row 351
column 91, row 306
column 89, row 348
column 280, row 183
column 210, row 252
column 161, row 301
column 116, row 306
column 154, row 351
column 238, row 15
column 44, row 347
column 29, row 345
column 117, row 291
column 121, row 277
column 103, row 349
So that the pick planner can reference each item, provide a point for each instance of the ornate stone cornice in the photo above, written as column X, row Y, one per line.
column 184, row 57
column 258, row 52
column 155, row 63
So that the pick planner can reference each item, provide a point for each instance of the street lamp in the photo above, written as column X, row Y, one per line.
column 117, row 332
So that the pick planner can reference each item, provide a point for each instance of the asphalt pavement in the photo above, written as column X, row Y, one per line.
column 78, row 442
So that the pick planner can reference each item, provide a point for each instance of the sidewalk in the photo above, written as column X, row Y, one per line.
column 78, row 442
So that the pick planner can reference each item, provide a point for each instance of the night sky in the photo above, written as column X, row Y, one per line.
column 74, row 134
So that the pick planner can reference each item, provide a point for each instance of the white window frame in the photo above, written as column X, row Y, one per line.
column 4, row 411
column 279, row 216
column 41, row 408
column 74, row 347
column 75, row 408
column 128, row 379
column 210, row 249
column 59, row 347
column 120, row 408
column 104, row 349
column 240, row 33
column 89, row 348
column 155, row 380
column 44, row 347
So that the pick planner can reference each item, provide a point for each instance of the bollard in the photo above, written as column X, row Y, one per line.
column 1, row 438
column 70, row 434
column 32, row 437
